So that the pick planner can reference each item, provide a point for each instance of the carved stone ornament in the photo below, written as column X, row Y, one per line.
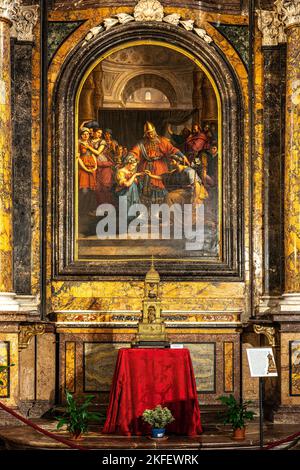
column 110, row 22
column 272, row 23
column 269, row 23
column 149, row 10
column 23, row 18
column 289, row 11
column 172, row 19
column 203, row 35
column 188, row 24
column 93, row 32
column 124, row 18
column 28, row 331
column 9, row 8
column 146, row 10
column 267, row 331
column 26, row 18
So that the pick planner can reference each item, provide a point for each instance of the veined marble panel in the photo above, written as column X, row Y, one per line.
column 289, row 373
column 70, row 379
column 36, row 164
column 238, row 36
column 22, row 128
column 203, row 357
column 58, row 32
column 99, row 365
column 292, row 163
column 274, row 137
column 228, row 357
column 6, row 240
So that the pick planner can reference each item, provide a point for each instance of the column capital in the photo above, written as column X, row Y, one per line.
column 22, row 17
column 270, row 25
column 24, row 21
column 289, row 11
column 8, row 9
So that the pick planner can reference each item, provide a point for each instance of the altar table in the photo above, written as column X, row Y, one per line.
column 145, row 378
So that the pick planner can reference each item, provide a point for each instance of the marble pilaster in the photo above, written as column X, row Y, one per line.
column 292, row 167
column 18, row 34
column 290, row 12
column 86, row 104
column 22, row 164
column 198, row 77
column 98, row 93
column 7, row 301
column 274, row 138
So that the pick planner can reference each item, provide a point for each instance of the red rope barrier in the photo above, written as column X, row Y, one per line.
column 78, row 447
column 282, row 441
column 41, row 430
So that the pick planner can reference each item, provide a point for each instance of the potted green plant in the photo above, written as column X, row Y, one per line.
column 237, row 415
column 158, row 418
column 77, row 416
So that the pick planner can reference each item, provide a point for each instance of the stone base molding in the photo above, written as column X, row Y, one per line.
column 268, row 305
column 284, row 414
column 8, row 302
column 290, row 303
column 11, row 302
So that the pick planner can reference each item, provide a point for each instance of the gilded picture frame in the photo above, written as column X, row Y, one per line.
column 65, row 170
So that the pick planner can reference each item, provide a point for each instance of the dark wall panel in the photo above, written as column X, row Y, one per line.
column 274, row 131
column 21, row 114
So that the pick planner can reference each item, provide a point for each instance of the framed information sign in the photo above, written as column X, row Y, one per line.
column 261, row 362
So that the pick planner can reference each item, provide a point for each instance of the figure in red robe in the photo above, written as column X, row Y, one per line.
column 196, row 142
column 153, row 153
column 87, row 166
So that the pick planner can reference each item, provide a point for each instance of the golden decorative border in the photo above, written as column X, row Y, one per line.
column 5, row 374
column 228, row 365
column 13, row 358
column 70, row 366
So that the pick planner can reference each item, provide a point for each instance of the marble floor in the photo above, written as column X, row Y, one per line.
column 214, row 437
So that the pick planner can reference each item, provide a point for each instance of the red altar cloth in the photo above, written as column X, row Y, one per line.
column 145, row 378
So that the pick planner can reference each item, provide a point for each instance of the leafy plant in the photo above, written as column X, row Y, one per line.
column 158, row 417
column 236, row 413
column 77, row 415
column 2, row 369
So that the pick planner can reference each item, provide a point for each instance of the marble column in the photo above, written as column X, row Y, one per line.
column 7, row 300
column 274, row 71
column 210, row 106
column 198, row 77
column 290, row 11
column 98, row 93
column 86, row 102
column 274, row 142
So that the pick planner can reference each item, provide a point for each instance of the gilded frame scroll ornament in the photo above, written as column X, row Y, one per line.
column 27, row 332
column 268, row 332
